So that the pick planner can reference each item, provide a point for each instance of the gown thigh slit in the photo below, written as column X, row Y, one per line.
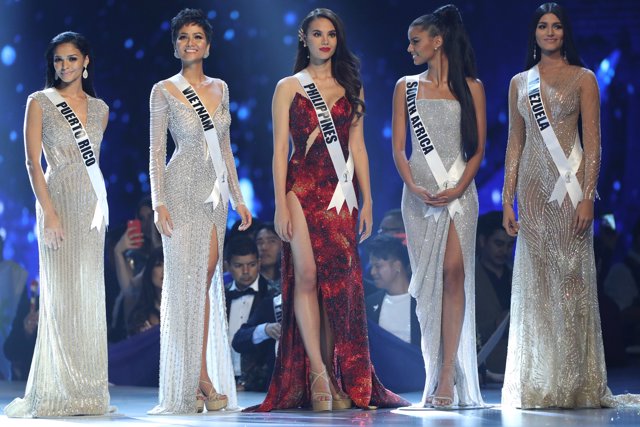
column 311, row 178
column 427, row 238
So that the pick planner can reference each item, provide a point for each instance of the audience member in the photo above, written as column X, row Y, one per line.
column 393, row 328
column 146, row 312
column 623, row 286
column 19, row 345
column 13, row 279
column 126, row 260
column 245, row 293
column 256, row 343
column 269, row 252
column 493, row 286
column 392, row 307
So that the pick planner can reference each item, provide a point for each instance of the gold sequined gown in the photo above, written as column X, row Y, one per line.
column 555, row 355
column 68, row 373
column 182, row 186
column 426, row 241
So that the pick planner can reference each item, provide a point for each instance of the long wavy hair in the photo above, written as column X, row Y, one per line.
column 447, row 23
column 81, row 43
column 345, row 66
column 146, row 303
column 569, row 49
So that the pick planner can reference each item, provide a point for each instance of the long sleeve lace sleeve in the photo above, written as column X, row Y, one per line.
column 227, row 155
column 515, row 145
column 590, row 111
column 158, row 122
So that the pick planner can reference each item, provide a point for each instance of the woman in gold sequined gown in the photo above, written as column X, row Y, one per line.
column 555, row 355
column 195, row 359
column 68, row 373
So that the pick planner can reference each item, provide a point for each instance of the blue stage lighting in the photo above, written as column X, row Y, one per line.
column 287, row 40
column 234, row 15
column 8, row 55
column 243, row 113
column 140, row 54
column 19, row 88
column 212, row 14
column 229, row 34
column 290, row 18
column 13, row 135
column 128, row 43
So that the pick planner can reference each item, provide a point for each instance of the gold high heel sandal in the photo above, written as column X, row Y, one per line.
column 341, row 400
column 320, row 400
column 213, row 402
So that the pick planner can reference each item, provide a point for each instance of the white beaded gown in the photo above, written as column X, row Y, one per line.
column 426, row 241
column 555, row 355
column 182, row 186
column 68, row 373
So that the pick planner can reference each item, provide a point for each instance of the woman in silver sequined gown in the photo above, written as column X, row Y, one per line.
column 555, row 356
column 441, row 249
column 68, row 373
column 193, row 361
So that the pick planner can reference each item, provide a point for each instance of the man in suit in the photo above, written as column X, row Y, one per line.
column 244, row 295
column 392, row 307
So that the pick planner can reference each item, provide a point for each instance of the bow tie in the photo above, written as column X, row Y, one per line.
column 231, row 295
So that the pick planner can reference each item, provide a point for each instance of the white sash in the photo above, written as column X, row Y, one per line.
column 567, row 181
column 445, row 179
column 83, row 143
column 344, row 170
column 220, row 189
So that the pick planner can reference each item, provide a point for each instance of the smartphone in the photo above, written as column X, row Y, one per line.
column 134, row 226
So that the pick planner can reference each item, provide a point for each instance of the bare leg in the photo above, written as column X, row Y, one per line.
column 205, row 384
column 305, row 293
column 453, row 303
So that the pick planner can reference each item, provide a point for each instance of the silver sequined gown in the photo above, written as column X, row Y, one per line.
column 426, row 241
column 555, row 355
column 182, row 186
column 68, row 373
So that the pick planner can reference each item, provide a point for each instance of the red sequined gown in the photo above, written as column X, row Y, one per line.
column 312, row 179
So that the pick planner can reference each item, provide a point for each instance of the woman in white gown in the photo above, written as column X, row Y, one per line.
column 445, row 107
column 190, row 204
column 68, row 373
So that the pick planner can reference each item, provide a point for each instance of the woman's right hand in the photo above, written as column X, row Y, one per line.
column 509, row 223
column 282, row 223
column 163, row 221
column 53, row 233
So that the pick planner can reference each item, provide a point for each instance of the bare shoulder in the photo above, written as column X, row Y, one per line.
column 475, row 86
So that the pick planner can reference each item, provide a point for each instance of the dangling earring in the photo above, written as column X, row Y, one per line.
column 56, row 77
column 534, row 53
column 175, row 53
column 85, row 73
column 206, row 55
column 564, row 54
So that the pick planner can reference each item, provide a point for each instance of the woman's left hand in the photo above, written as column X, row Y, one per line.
column 583, row 216
column 366, row 222
column 443, row 198
column 245, row 216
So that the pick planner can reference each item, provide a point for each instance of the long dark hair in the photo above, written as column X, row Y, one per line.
column 146, row 303
column 569, row 50
column 345, row 66
column 447, row 23
column 81, row 43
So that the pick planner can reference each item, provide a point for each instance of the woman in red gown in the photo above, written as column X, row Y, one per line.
column 323, row 355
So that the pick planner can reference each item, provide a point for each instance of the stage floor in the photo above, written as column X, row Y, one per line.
column 133, row 402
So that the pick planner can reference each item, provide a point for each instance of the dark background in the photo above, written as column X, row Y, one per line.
column 254, row 46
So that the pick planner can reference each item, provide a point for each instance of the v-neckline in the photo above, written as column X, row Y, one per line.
column 330, row 109
column 224, row 89
column 86, row 119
